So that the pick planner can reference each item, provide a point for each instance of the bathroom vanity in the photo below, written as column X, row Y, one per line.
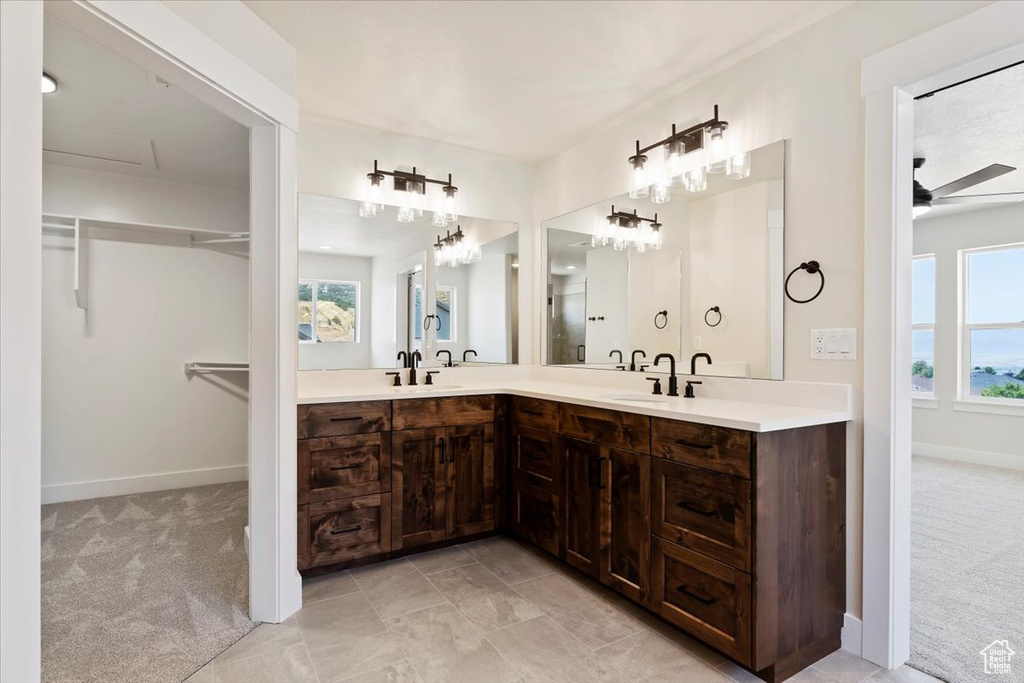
column 727, row 520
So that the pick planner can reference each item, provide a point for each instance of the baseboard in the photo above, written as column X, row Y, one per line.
column 1004, row 460
column 121, row 486
column 851, row 635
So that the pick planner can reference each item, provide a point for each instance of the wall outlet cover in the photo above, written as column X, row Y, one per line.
column 834, row 344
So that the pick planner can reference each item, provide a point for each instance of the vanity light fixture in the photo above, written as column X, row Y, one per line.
column 411, row 189
column 676, row 145
column 453, row 251
column 49, row 84
column 624, row 230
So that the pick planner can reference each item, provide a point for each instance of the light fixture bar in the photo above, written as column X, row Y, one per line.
column 692, row 138
column 405, row 177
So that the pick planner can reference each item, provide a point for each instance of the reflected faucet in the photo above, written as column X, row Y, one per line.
column 449, row 363
column 632, row 359
column 404, row 357
column 413, row 357
column 673, row 381
column 615, row 351
column 464, row 359
column 693, row 361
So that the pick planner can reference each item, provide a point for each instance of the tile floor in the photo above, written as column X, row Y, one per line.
column 491, row 611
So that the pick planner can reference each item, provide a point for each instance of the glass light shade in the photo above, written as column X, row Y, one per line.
column 661, row 191
column 696, row 180
column 716, row 152
column 673, row 163
column 655, row 237
column 737, row 166
column 638, row 182
column 373, row 202
column 367, row 210
column 406, row 214
column 440, row 219
column 450, row 204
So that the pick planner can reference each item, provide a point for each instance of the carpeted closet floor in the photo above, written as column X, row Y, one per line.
column 144, row 588
column 967, row 568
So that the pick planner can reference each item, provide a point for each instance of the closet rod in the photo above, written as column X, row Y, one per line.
column 196, row 368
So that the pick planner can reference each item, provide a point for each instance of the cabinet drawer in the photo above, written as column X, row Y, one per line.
column 344, row 466
column 606, row 427
column 342, row 530
column 535, row 413
column 703, row 510
column 713, row 448
column 451, row 412
column 535, row 457
column 535, row 515
column 339, row 419
column 706, row 598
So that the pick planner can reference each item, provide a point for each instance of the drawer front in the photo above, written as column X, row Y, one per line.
column 450, row 412
column 702, row 510
column 713, row 448
column 338, row 531
column 606, row 427
column 535, row 413
column 535, row 515
column 706, row 598
column 535, row 457
column 344, row 467
column 339, row 419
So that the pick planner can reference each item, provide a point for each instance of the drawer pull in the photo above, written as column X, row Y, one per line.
column 702, row 446
column 349, row 530
column 348, row 467
column 346, row 419
column 707, row 602
column 693, row 508
column 535, row 413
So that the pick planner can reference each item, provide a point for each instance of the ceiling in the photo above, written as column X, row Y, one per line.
column 333, row 226
column 110, row 114
column 968, row 127
column 523, row 80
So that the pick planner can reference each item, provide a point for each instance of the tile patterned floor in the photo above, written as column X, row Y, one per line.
column 492, row 611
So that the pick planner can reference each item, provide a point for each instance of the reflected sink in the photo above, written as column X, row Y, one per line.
column 425, row 388
column 636, row 398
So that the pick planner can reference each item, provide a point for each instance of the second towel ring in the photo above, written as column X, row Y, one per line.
column 811, row 267
column 713, row 309
column 661, row 314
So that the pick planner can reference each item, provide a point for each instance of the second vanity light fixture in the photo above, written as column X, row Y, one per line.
column 454, row 251
column 708, row 136
column 411, row 191
column 624, row 230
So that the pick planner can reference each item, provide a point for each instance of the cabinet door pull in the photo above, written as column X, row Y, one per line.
column 441, row 443
column 349, row 530
column 690, row 444
column 451, row 451
column 535, row 413
column 693, row 508
column 335, row 468
column 346, row 419
column 704, row 601
column 530, row 456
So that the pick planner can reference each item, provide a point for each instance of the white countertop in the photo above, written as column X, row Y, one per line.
column 747, row 415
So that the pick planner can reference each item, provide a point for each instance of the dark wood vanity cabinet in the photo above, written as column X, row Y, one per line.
column 581, row 521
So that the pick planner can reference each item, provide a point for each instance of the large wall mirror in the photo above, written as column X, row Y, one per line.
column 372, row 287
column 713, row 286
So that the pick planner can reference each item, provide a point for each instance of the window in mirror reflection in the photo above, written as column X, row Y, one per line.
column 445, row 303
column 328, row 311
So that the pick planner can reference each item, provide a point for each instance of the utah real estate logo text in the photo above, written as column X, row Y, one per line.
column 997, row 657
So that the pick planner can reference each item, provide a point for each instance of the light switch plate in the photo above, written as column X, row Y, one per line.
column 834, row 344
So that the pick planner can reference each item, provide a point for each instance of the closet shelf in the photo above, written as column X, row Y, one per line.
column 195, row 368
column 196, row 236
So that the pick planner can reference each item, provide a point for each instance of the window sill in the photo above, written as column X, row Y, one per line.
column 990, row 407
column 929, row 402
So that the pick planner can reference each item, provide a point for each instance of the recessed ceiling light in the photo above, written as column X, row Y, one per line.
column 570, row 267
column 325, row 246
column 49, row 84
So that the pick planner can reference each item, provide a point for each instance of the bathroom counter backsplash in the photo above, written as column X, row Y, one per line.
column 752, row 405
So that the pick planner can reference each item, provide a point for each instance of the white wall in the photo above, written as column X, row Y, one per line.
column 341, row 354
column 806, row 89
column 489, row 324
column 119, row 414
column 942, row 431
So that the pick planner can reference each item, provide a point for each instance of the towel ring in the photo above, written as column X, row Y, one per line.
column 811, row 267
column 661, row 314
column 713, row 309
column 426, row 322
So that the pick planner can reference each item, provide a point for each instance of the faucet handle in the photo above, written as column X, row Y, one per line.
column 657, row 384
column 430, row 376
column 398, row 378
column 688, row 392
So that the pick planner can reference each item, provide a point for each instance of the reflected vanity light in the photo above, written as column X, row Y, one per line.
column 625, row 230
column 453, row 251
column 410, row 191
column 737, row 166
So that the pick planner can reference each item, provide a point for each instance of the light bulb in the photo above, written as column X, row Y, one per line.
column 638, row 180
column 738, row 166
column 661, row 192
column 716, row 149
column 673, row 163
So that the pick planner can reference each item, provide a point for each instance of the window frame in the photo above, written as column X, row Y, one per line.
column 452, row 314
column 313, row 282
column 964, row 394
column 928, row 327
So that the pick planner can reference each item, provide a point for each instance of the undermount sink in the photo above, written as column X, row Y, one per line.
column 636, row 398
column 425, row 388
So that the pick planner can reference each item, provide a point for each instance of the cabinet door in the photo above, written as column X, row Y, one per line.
column 471, row 490
column 535, row 515
column 626, row 524
column 581, row 500
column 535, row 457
column 418, row 477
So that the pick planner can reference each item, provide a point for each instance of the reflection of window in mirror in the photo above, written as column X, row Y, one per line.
column 328, row 311
column 446, row 313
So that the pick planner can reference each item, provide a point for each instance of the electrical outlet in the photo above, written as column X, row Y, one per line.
column 697, row 343
column 834, row 344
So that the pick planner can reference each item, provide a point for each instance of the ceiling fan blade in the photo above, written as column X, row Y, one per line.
column 972, row 179
column 998, row 198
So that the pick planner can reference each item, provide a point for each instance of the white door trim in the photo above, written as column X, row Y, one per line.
column 972, row 45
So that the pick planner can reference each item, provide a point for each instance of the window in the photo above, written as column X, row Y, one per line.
column 445, row 307
column 328, row 311
column 923, row 317
column 992, row 324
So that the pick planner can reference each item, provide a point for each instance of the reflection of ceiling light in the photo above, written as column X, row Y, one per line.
column 325, row 246
column 570, row 267
column 454, row 251
column 49, row 84
column 624, row 230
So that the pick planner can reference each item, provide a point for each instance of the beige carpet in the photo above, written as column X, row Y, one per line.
column 144, row 588
column 967, row 568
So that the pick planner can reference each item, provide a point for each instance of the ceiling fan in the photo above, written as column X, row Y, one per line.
column 925, row 199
